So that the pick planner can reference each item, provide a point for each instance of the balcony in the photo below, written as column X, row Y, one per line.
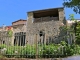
column 45, row 19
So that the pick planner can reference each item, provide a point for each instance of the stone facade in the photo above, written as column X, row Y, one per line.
column 50, row 29
column 4, row 36
column 42, row 26
column 18, row 26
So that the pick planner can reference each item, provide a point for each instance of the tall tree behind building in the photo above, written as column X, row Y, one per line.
column 74, row 4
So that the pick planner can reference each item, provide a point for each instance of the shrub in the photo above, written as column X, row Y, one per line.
column 2, row 46
column 11, row 51
column 48, row 50
column 44, row 51
column 29, row 51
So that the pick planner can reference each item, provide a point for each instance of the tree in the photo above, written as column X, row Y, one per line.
column 78, row 33
column 74, row 4
column 76, row 28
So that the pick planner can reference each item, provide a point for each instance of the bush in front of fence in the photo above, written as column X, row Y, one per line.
column 48, row 50
column 2, row 46
column 28, row 51
column 44, row 51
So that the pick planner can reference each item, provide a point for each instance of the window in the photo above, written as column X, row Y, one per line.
column 42, row 37
column 20, row 39
column 3, row 42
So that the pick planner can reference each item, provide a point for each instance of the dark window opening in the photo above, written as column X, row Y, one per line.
column 41, row 35
column 20, row 39
column 3, row 42
column 46, row 15
column 15, row 41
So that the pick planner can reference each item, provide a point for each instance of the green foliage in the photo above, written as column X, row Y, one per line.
column 73, row 29
column 2, row 46
column 77, row 49
column 63, row 43
column 63, row 28
column 69, row 50
column 71, row 17
column 10, row 33
column 78, row 33
column 75, row 4
column 48, row 51
column 28, row 50
column 10, row 51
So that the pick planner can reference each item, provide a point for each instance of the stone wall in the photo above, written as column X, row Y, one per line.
column 49, row 28
column 5, row 38
column 17, row 29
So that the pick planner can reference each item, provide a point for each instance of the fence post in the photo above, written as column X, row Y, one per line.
column 36, row 47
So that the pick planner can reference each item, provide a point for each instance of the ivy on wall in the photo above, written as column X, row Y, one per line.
column 10, row 33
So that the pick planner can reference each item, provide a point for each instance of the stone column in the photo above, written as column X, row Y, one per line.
column 61, row 15
column 29, row 25
column 30, row 18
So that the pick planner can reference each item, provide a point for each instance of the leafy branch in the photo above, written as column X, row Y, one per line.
column 10, row 32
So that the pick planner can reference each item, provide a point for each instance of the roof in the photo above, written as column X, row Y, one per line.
column 19, row 20
column 18, row 25
column 5, row 27
column 47, row 9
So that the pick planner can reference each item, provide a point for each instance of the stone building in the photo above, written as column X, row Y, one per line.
column 18, row 36
column 19, row 32
column 4, row 37
column 43, row 26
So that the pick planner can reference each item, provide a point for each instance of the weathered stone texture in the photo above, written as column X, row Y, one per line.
column 50, row 28
column 5, row 38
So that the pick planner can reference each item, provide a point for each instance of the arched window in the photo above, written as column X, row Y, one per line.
column 42, row 37
column 41, row 33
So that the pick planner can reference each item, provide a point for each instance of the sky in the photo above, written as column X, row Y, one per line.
column 12, row 10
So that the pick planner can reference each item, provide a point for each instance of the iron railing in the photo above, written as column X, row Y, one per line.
column 20, row 49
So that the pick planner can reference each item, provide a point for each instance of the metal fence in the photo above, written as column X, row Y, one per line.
column 40, row 48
